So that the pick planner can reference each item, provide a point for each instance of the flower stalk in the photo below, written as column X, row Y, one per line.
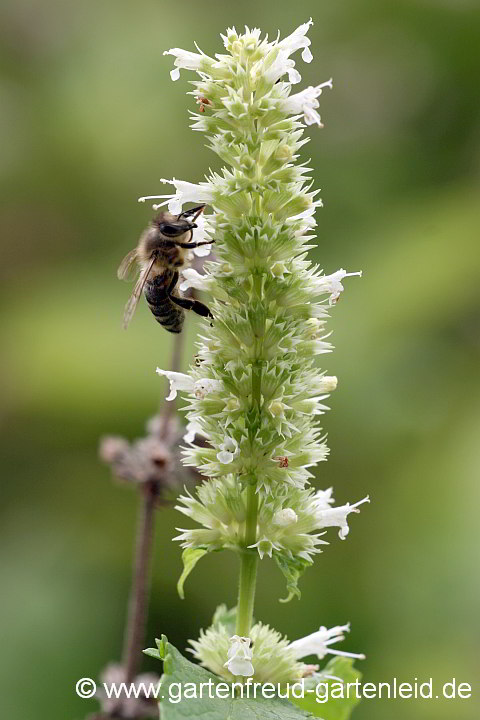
column 138, row 603
column 134, row 639
column 248, row 566
column 152, row 465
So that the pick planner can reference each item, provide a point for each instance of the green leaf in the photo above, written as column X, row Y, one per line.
column 337, row 705
column 227, row 618
column 292, row 568
column 152, row 652
column 183, row 682
column 190, row 557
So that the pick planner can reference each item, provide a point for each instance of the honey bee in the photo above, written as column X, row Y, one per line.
column 159, row 256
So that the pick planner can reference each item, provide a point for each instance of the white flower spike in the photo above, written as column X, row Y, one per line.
column 255, row 390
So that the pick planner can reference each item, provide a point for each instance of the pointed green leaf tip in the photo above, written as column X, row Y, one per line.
column 292, row 568
column 190, row 691
column 335, row 704
column 190, row 557
column 159, row 652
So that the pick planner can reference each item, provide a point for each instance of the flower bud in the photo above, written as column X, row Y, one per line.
column 285, row 517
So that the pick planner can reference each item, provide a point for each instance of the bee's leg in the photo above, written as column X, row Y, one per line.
column 188, row 304
column 191, row 245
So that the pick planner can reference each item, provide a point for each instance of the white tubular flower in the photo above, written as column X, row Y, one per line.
column 332, row 284
column 280, row 66
column 193, row 279
column 318, row 643
column 186, row 60
column 298, row 40
column 323, row 499
column 240, row 656
column 202, row 251
column 178, row 381
column 228, row 451
column 306, row 102
column 306, row 218
column 285, row 517
column 185, row 192
column 193, row 428
column 200, row 236
column 337, row 516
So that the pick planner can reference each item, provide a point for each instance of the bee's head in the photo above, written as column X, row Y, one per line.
column 172, row 226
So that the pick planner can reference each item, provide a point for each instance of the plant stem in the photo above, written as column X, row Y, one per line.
column 248, row 566
column 138, row 603
column 249, row 559
column 137, row 609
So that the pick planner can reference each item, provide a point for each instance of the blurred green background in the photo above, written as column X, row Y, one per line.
column 90, row 121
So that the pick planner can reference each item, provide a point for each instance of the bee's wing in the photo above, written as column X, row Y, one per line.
column 137, row 291
column 127, row 267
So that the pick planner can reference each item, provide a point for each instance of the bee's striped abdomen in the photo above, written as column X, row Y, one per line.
column 169, row 316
